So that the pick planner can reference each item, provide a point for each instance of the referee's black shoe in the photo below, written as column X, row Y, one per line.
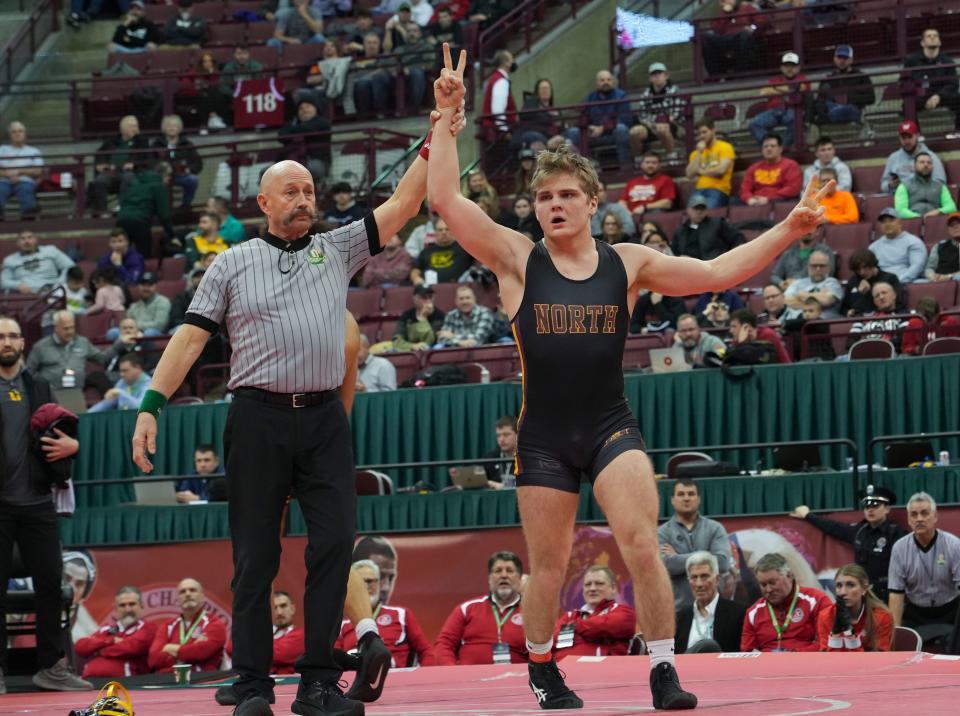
column 667, row 692
column 227, row 696
column 372, row 671
column 324, row 698
column 546, row 682
column 253, row 705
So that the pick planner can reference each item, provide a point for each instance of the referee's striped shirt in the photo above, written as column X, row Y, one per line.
column 283, row 306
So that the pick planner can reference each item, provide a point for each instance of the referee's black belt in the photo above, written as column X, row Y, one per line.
column 290, row 400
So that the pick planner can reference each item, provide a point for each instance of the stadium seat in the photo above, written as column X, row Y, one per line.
column 445, row 296
column 226, row 34
column 371, row 329
column 873, row 205
column 945, row 293
column 373, row 482
column 743, row 213
column 301, row 55
column 475, row 372
column 159, row 14
column 636, row 352
column 365, row 303
column 872, row 349
column 935, row 229
column 942, row 346
column 137, row 60
column 257, row 34
column 853, row 236
column 209, row 11
column 397, row 299
column 235, row 6
column 866, row 180
column 171, row 61
column 407, row 364
column 172, row 268
column 906, row 639
column 94, row 327
column 170, row 289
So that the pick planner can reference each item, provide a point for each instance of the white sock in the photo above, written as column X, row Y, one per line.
column 365, row 626
column 540, row 649
column 661, row 652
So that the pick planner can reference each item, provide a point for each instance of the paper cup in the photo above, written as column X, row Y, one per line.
column 181, row 673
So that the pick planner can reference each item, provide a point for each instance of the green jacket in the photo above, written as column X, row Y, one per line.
column 147, row 197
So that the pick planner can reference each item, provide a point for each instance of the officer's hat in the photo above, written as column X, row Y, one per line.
column 875, row 493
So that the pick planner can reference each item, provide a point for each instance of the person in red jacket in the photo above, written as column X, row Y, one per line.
column 859, row 621
column 196, row 637
column 487, row 630
column 744, row 328
column 773, row 178
column 602, row 626
column 119, row 649
column 785, row 617
column 398, row 626
column 288, row 643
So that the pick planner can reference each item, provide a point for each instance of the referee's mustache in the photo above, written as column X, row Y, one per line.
column 297, row 213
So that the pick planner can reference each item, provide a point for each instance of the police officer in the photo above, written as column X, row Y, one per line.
column 872, row 537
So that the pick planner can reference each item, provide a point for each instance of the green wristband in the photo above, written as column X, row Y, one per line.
column 153, row 402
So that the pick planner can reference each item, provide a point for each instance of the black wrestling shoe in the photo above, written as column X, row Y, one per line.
column 227, row 696
column 372, row 672
column 346, row 661
column 667, row 692
column 546, row 682
column 253, row 705
column 324, row 699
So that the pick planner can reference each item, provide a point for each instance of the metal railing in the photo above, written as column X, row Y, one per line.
column 906, row 437
column 814, row 340
column 22, row 48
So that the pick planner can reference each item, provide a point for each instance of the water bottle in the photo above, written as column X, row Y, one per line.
column 66, row 180
column 485, row 376
column 944, row 458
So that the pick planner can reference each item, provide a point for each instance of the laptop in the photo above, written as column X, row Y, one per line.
column 904, row 454
column 72, row 399
column 668, row 360
column 798, row 458
column 159, row 492
column 469, row 477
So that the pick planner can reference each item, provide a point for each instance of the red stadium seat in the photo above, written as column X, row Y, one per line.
column 172, row 268
column 935, row 229
column 365, row 303
column 873, row 205
column 226, row 34
column 301, row 55
column 172, row 60
column 866, row 180
column 159, row 14
column 397, row 299
column 170, row 289
column 445, row 296
column 872, row 349
column 636, row 353
column 854, row 236
column 407, row 364
column 945, row 293
column 257, row 34
column 739, row 214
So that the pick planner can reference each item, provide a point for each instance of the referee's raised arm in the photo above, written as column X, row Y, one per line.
column 181, row 352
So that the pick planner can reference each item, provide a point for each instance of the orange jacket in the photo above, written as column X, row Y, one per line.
column 841, row 208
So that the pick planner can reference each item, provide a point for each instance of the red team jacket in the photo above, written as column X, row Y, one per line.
column 109, row 658
column 606, row 631
column 288, row 646
column 400, row 632
column 205, row 654
column 801, row 633
column 470, row 632
column 882, row 629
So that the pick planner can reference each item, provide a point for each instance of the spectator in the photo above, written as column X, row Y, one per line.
column 33, row 267
column 362, row 26
column 207, row 470
column 61, row 358
column 82, row 12
column 609, row 123
column 858, row 293
column 119, row 649
column 445, row 29
column 489, row 629
column 288, row 639
column 147, row 197
column 136, row 33
column 704, row 237
column 819, row 284
column 476, row 186
column 418, row 326
column 76, row 292
column 657, row 241
column 398, row 627
column 711, row 165
column 605, row 207
column 899, row 252
column 858, row 621
column 744, row 330
column 131, row 334
column 523, row 219
column 129, row 390
column 181, row 302
column 716, row 315
column 821, row 341
column 937, row 75
column 656, row 313
column 152, row 311
column 827, row 157
column 921, row 194
column 417, row 58
column 20, row 166
column 927, row 325
column 315, row 149
column 612, row 229
column 302, row 24
column 781, row 94
column 196, row 637
column 839, row 206
column 880, row 323
column 603, row 626
column 943, row 264
column 374, row 374
column 686, row 532
column 773, row 178
column 651, row 190
column 777, row 311
column 711, row 623
column 661, row 113
column 731, row 42
column 499, row 108
column 729, row 299
column 500, row 475
column 901, row 162
column 116, row 162
column 345, row 208
column 372, row 83
column 325, row 79
column 179, row 152
column 420, row 12
column 785, row 617
column 334, row 8
column 844, row 93
column 469, row 324
column 487, row 12
column 184, row 29
column 872, row 537
column 924, row 570
column 108, row 295
column 792, row 263
column 203, row 87
column 696, row 343
column 538, row 119
column 231, row 229
column 397, row 29
column 126, row 261
column 240, row 68
column 204, row 240
column 443, row 261
column 390, row 267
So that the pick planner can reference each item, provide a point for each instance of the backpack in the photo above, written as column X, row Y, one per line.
column 448, row 374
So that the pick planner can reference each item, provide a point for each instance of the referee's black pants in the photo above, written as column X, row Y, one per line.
column 271, row 452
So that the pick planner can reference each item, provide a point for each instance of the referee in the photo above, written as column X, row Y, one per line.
column 282, row 299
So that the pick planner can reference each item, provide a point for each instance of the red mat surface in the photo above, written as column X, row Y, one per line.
column 742, row 684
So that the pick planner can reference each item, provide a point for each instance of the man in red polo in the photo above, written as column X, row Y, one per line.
column 196, row 637
column 602, row 626
column 119, row 649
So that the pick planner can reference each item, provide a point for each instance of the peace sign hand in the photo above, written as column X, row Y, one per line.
column 807, row 215
column 448, row 89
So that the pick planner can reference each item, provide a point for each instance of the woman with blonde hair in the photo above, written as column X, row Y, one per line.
column 858, row 621
column 475, row 185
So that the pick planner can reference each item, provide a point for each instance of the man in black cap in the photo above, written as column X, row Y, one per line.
column 313, row 150
column 872, row 537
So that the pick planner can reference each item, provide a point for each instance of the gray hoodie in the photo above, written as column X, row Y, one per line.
column 901, row 163
column 47, row 265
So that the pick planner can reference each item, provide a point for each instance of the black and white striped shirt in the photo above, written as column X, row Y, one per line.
column 283, row 306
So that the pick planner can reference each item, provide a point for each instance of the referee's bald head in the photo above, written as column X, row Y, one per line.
column 288, row 199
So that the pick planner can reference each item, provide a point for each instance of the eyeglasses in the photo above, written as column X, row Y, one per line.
column 873, row 503
column 819, row 265
column 12, row 337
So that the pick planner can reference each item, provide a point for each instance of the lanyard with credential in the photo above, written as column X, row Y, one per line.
column 184, row 638
column 781, row 629
column 500, row 622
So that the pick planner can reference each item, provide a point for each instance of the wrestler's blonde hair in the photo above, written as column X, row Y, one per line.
column 566, row 161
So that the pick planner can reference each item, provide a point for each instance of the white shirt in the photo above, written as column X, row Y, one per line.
column 12, row 157
column 702, row 626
